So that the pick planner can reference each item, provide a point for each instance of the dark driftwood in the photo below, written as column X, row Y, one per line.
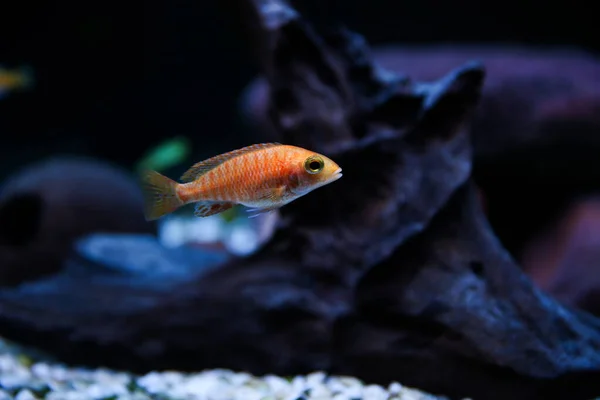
column 391, row 273
column 535, row 131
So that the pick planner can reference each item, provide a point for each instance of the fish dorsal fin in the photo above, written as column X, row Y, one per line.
column 203, row 167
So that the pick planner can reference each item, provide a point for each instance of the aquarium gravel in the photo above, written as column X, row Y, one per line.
column 22, row 378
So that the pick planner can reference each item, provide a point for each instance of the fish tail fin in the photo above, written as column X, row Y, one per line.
column 160, row 195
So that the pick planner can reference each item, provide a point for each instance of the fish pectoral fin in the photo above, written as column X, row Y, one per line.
column 206, row 209
column 273, row 195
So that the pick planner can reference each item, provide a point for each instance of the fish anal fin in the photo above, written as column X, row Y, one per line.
column 255, row 212
column 203, row 167
column 206, row 209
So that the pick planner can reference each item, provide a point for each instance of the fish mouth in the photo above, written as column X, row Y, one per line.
column 337, row 174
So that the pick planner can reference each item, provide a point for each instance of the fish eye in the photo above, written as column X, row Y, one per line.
column 314, row 165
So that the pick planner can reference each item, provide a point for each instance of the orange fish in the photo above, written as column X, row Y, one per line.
column 17, row 79
column 262, row 177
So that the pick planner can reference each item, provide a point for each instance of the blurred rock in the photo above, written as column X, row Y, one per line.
column 45, row 207
column 105, row 264
column 144, row 257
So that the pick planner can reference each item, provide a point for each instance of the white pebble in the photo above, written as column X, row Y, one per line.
column 395, row 388
column 67, row 396
column 239, row 379
column 25, row 395
column 13, row 381
column 5, row 396
column 100, row 390
column 67, row 383
column 59, row 373
column 298, row 383
column 315, row 378
column 278, row 386
column 319, row 392
column 246, row 393
column 134, row 396
column 350, row 381
column 373, row 392
column 153, row 383
column 41, row 370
